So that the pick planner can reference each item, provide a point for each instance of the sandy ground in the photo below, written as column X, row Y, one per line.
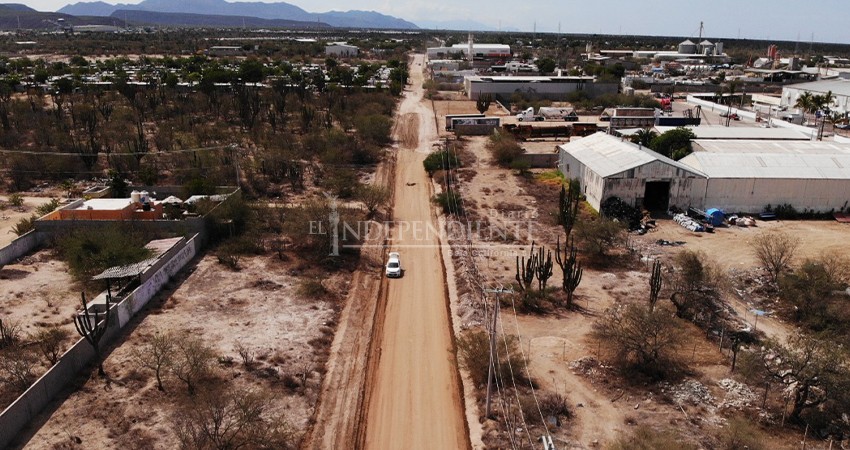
column 255, row 307
column 10, row 216
column 415, row 401
column 38, row 292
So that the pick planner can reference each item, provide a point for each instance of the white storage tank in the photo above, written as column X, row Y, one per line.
column 687, row 47
column 145, row 197
column 136, row 197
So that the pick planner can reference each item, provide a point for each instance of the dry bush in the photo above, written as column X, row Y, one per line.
column 474, row 348
column 739, row 433
column 232, row 419
column 504, row 148
column 646, row 438
column 775, row 250
column 641, row 339
column 17, row 367
column 49, row 341
column 157, row 355
column 192, row 361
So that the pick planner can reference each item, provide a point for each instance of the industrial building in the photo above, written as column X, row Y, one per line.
column 731, row 175
column 552, row 88
column 478, row 51
column 749, row 175
column 840, row 89
column 740, row 133
column 607, row 166
column 341, row 50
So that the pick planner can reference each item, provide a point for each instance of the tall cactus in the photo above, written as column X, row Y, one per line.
column 570, row 267
column 654, row 284
column 543, row 269
column 525, row 270
column 92, row 328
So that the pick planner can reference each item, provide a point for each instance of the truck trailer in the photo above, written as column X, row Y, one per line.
column 450, row 117
column 547, row 113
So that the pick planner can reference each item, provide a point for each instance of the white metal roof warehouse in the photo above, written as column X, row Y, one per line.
column 749, row 175
column 732, row 175
column 607, row 167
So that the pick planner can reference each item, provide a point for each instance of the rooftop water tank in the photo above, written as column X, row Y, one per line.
column 145, row 197
column 135, row 197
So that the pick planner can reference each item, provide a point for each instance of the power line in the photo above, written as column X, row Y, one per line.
column 187, row 150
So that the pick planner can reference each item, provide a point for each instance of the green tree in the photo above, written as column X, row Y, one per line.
column 546, row 65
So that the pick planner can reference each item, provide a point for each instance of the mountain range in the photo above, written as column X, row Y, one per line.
column 269, row 11
column 14, row 16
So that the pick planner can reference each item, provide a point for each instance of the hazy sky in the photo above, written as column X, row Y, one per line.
column 828, row 20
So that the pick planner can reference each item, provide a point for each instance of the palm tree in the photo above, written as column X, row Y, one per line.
column 643, row 137
column 806, row 102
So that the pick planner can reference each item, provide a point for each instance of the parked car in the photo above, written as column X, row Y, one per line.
column 393, row 266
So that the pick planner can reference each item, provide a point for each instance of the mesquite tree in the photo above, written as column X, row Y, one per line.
column 654, row 284
column 570, row 267
column 93, row 326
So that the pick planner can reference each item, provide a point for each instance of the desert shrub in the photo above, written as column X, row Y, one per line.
column 474, row 348
column 49, row 342
column 450, row 202
column 441, row 160
column 192, row 361
column 17, row 367
column 312, row 288
column 740, row 434
column 89, row 251
column 504, row 148
column 775, row 250
column 24, row 225
column 598, row 236
column 646, row 438
column 16, row 200
column 641, row 339
column 48, row 207
column 231, row 419
column 374, row 197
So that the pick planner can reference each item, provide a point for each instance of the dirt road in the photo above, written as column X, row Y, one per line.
column 415, row 396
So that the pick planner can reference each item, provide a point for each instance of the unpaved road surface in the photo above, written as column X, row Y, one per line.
column 415, row 399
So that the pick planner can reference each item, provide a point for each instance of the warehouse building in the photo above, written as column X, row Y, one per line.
column 607, row 166
column 341, row 50
column 746, row 176
column 840, row 89
column 552, row 88
column 740, row 133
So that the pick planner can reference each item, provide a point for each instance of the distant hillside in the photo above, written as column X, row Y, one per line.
column 17, row 7
column 278, row 10
column 209, row 20
column 15, row 16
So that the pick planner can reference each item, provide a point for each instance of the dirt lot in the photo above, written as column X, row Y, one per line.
column 9, row 216
column 730, row 246
column 39, row 292
column 258, row 306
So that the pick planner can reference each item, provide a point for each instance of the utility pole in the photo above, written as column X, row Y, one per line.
column 491, row 368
